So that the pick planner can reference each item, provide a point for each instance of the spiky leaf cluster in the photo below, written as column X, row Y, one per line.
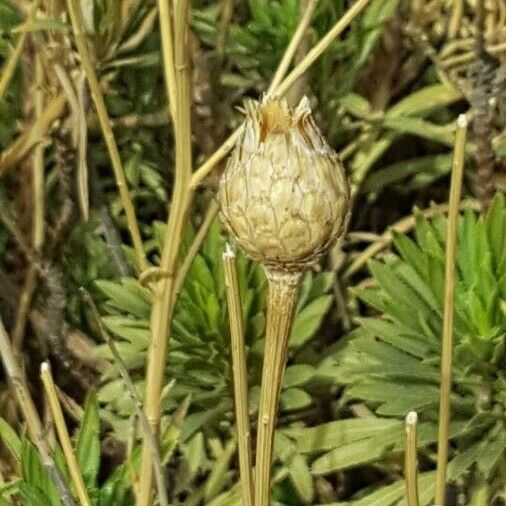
column 391, row 362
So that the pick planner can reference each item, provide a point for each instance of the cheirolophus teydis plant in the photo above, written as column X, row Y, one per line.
column 284, row 198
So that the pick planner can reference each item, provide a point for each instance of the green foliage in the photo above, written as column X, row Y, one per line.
column 199, row 358
column 391, row 362
column 34, row 487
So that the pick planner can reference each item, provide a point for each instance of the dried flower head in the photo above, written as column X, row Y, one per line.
column 284, row 196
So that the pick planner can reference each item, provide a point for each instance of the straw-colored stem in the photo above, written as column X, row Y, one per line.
column 38, row 214
column 38, row 164
column 239, row 367
column 447, row 338
column 210, row 214
column 281, row 304
column 293, row 45
column 25, row 302
column 11, row 63
column 167, row 41
column 163, row 289
column 63, row 435
column 411, row 460
column 105, row 124
column 30, row 415
column 295, row 74
column 17, row 150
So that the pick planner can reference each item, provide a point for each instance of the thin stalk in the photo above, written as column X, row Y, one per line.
column 411, row 460
column 294, row 75
column 163, row 289
column 239, row 367
column 38, row 214
column 105, row 124
column 17, row 150
column 447, row 338
column 63, row 435
column 11, row 63
column 167, row 39
column 281, row 305
column 38, row 164
column 211, row 212
column 137, row 402
column 293, row 45
column 30, row 415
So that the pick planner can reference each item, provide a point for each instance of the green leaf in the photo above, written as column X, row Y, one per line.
column 10, row 439
column 339, row 433
column 88, row 443
column 425, row 101
column 128, row 296
column 309, row 320
column 295, row 398
column 298, row 374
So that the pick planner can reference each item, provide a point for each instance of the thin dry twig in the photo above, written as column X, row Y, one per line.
column 63, row 435
column 448, row 310
column 11, row 63
column 292, row 47
column 211, row 212
column 30, row 415
column 239, row 367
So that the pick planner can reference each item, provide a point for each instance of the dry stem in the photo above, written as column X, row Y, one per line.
column 163, row 290
column 239, row 366
column 17, row 150
column 447, row 338
column 11, row 63
column 107, row 131
column 411, row 460
column 30, row 414
column 63, row 435
column 281, row 305
column 292, row 47
column 37, row 214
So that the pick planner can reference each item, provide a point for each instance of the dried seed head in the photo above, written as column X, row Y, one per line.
column 283, row 196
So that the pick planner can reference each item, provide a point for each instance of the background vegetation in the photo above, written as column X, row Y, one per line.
column 365, row 347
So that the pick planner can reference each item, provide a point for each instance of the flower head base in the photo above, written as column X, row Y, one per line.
column 284, row 196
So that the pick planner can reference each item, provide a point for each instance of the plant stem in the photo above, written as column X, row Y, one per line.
column 281, row 304
column 210, row 214
column 294, row 75
column 167, row 40
column 447, row 338
column 411, row 460
column 9, row 68
column 163, row 289
column 63, row 435
column 17, row 150
column 105, row 124
column 37, row 214
column 239, row 367
column 146, row 429
column 30, row 415
column 292, row 47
